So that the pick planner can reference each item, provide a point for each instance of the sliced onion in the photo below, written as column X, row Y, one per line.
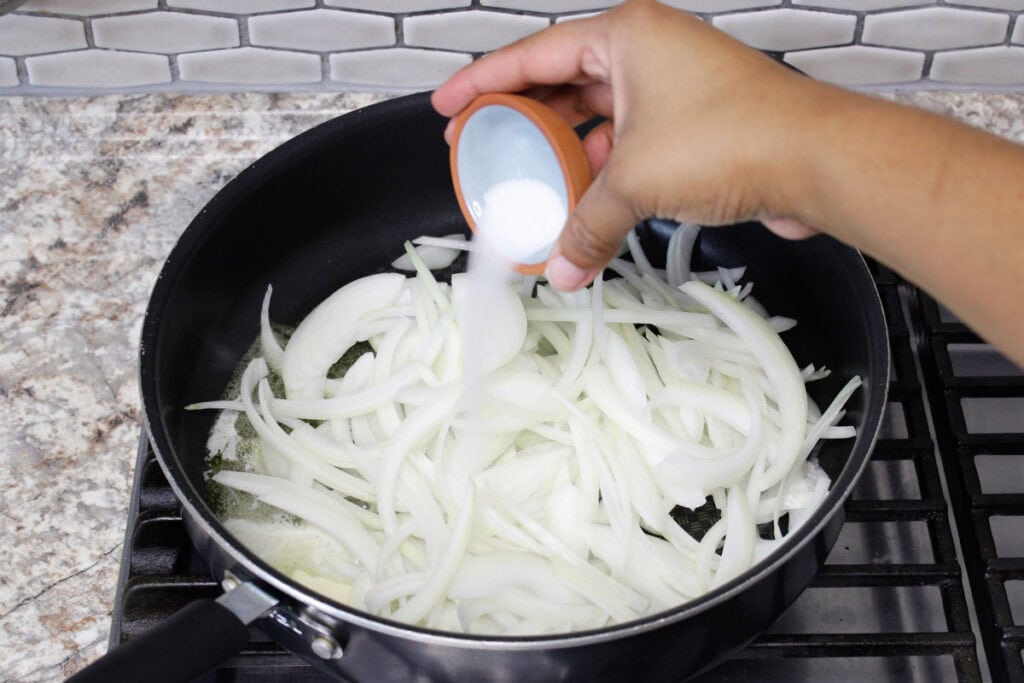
column 326, row 333
column 507, row 473
column 434, row 256
column 779, row 366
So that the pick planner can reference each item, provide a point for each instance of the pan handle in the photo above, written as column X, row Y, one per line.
column 193, row 640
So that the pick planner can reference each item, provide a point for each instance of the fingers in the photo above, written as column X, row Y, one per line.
column 789, row 228
column 564, row 53
column 566, row 276
column 591, row 236
column 577, row 104
column 598, row 146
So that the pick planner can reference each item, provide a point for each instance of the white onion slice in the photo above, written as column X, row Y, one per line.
column 435, row 256
column 326, row 333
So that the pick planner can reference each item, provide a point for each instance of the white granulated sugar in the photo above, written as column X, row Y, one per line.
column 224, row 437
column 521, row 219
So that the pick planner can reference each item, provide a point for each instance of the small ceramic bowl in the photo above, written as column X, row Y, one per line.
column 501, row 137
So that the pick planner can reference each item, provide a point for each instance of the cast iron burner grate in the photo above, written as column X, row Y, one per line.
column 977, row 398
column 891, row 603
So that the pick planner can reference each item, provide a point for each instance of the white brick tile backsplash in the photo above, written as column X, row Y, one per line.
column 719, row 5
column 551, row 7
column 169, row 32
column 249, row 65
column 859, row 5
column 397, row 6
column 1010, row 5
column 26, row 35
column 87, row 7
column 415, row 44
column 8, row 72
column 859, row 65
column 98, row 69
column 322, row 30
column 396, row 67
column 472, row 31
column 788, row 29
column 1002, row 66
column 934, row 28
column 241, row 6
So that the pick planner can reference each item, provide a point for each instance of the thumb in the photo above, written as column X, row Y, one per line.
column 592, row 235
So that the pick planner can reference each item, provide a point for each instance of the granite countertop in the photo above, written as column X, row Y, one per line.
column 94, row 193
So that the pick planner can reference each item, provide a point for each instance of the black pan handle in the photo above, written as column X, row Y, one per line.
column 194, row 640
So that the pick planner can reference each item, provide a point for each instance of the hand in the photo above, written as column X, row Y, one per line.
column 706, row 130
column 701, row 128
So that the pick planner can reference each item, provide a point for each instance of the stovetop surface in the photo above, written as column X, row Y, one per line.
column 926, row 580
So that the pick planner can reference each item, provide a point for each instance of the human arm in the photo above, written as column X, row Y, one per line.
column 704, row 129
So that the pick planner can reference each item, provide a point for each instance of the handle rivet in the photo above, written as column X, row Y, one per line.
column 230, row 582
column 325, row 647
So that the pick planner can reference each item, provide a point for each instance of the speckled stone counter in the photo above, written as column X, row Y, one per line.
column 94, row 193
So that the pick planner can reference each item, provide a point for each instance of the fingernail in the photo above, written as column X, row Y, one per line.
column 565, row 275
column 449, row 129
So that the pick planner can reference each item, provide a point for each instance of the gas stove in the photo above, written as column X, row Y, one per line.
column 926, row 581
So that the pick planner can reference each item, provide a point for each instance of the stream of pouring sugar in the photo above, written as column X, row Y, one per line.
column 520, row 219
column 489, row 273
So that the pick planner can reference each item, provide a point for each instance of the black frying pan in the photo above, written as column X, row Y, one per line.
column 335, row 204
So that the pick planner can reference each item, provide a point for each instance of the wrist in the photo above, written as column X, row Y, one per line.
column 801, row 174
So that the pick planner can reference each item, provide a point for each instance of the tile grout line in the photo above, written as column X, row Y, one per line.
column 90, row 38
column 21, row 69
column 243, row 32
